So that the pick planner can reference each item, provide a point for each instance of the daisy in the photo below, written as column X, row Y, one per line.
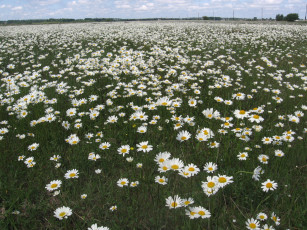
column 123, row 150
column 93, row 157
column 83, row 196
column 72, row 174
column 202, row 212
column 252, row 224
column 262, row 216
column 210, row 167
column 20, row 158
column 193, row 169
column 104, row 145
column 213, row 144
column 210, row 113
column 255, row 118
column 279, row 153
column 210, row 186
column 175, row 164
column 241, row 114
column 62, row 212
column 71, row 112
column 33, row 147
column 263, row 159
column 267, row 140
column 257, row 172
column 162, row 157
column 224, row 180
column 164, row 166
column 53, row 185
column 267, row 227
column 242, row 156
column 95, row 227
column 112, row 119
column 184, row 172
column 142, row 129
column 207, row 132
column 275, row 218
column 143, row 146
column 29, row 160
column 113, row 208
column 161, row 180
column 192, row 212
column 174, row 202
column 268, row 185
column 183, row 136
column 186, row 202
column 288, row 138
column 122, row 182
column 192, row 102
column 134, row 184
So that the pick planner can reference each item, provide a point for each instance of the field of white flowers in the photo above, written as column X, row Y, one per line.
column 164, row 125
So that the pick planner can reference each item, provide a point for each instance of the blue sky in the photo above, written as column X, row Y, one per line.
column 37, row 9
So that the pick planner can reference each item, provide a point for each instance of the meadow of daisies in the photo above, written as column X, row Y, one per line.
column 153, row 126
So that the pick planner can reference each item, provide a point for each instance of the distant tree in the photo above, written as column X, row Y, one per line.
column 279, row 17
column 255, row 19
column 205, row 18
column 292, row 17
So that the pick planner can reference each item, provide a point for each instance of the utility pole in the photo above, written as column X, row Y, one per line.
column 233, row 14
column 261, row 14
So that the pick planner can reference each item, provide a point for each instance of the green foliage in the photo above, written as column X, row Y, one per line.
column 279, row 17
column 292, row 17
column 205, row 18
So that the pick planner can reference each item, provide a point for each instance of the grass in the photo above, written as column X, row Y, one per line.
column 262, row 62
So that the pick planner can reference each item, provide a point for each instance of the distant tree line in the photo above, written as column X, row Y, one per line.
column 290, row 17
column 71, row 20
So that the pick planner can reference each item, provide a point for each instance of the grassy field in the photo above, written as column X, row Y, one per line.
column 162, row 125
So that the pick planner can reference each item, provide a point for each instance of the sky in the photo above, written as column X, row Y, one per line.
column 78, row 9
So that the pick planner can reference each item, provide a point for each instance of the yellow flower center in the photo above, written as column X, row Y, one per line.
column 269, row 185
column 54, row 185
column 187, row 202
column 202, row 213
column 210, row 168
column 123, row 182
column 183, row 138
column 252, row 225
column 175, row 167
column 62, row 214
column 144, row 147
column 242, row 112
column 191, row 169
column 211, row 184
column 161, row 180
column 174, row 204
column 256, row 116
column 72, row 175
column 124, row 150
column 222, row 179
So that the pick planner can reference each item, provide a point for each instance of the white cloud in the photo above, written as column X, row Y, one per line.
column 17, row 8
